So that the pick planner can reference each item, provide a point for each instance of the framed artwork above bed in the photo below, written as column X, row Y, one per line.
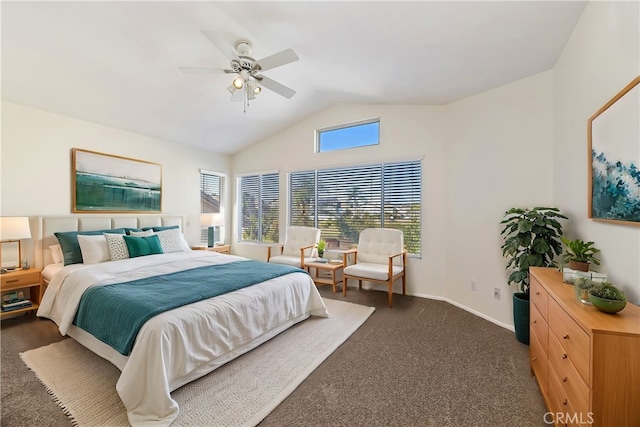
column 106, row 183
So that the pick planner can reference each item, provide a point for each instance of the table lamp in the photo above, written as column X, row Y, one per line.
column 14, row 229
column 211, row 220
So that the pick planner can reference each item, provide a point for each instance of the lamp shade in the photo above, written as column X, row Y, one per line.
column 14, row 228
column 211, row 219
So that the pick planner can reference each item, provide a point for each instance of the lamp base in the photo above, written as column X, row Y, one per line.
column 211, row 237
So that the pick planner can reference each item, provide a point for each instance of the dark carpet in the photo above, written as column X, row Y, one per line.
column 422, row 363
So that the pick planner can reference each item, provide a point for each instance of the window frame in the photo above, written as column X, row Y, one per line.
column 260, row 232
column 221, row 202
column 318, row 134
column 413, row 218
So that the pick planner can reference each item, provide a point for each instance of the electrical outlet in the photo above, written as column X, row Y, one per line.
column 496, row 293
column 473, row 285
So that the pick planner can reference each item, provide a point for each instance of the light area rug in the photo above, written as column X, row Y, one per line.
column 239, row 393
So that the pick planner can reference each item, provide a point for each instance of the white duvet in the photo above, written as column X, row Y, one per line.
column 180, row 345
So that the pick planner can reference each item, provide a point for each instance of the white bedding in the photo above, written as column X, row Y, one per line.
column 180, row 345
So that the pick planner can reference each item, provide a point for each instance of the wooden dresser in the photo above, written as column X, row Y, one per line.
column 586, row 362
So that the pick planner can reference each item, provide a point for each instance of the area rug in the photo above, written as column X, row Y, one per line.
column 240, row 393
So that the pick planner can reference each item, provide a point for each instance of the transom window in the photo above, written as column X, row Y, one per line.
column 348, row 136
column 259, row 208
column 344, row 201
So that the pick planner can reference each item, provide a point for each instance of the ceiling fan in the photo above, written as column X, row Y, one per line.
column 249, row 80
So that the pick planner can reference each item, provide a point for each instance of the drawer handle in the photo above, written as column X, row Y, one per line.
column 565, row 337
column 564, row 356
column 564, row 380
column 565, row 401
column 533, row 359
column 13, row 281
column 538, row 293
column 535, row 321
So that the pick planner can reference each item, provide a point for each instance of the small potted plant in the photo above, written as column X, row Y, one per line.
column 607, row 297
column 321, row 246
column 579, row 254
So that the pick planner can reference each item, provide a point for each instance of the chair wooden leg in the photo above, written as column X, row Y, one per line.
column 360, row 284
column 391, row 294
column 404, row 284
column 344, row 286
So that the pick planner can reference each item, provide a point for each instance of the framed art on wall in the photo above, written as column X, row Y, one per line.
column 106, row 183
column 613, row 135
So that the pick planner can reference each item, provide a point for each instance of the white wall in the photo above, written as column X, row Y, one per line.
column 601, row 57
column 36, row 163
column 499, row 155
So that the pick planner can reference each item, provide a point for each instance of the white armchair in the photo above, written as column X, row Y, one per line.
column 380, row 258
column 299, row 247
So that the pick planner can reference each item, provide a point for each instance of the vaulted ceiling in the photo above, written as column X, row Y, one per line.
column 116, row 63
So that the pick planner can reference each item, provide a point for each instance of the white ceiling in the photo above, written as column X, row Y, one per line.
column 116, row 63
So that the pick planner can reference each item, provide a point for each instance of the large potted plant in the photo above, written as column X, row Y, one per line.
column 579, row 254
column 531, row 239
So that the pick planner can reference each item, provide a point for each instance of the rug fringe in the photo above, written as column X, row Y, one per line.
column 51, row 393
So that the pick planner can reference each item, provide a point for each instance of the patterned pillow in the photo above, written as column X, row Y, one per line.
column 117, row 247
column 172, row 240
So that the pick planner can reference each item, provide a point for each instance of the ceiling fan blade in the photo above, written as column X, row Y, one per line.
column 225, row 42
column 278, row 59
column 278, row 88
column 207, row 70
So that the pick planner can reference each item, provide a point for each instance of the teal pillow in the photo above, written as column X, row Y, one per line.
column 71, row 248
column 169, row 227
column 141, row 246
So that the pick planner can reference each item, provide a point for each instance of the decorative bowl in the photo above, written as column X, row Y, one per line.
column 607, row 305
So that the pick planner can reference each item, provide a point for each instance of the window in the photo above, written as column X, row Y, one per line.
column 344, row 201
column 348, row 136
column 211, row 185
column 259, row 197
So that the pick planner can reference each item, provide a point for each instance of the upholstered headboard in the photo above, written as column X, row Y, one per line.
column 49, row 225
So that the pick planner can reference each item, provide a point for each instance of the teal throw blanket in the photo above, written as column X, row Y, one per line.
column 115, row 313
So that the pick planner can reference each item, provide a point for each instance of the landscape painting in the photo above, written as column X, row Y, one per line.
column 614, row 158
column 105, row 183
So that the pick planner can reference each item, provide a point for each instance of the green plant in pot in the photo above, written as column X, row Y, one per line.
column 531, row 239
column 579, row 254
column 607, row 297
column 321, row 246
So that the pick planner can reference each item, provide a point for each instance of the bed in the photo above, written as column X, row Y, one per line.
column 184, row 343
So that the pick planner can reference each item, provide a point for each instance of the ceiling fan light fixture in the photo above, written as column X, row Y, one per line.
column 232, row 89
column 238, row 82
column 257, row 89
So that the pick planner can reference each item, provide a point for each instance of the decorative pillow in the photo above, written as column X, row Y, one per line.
column 172, row 240
column 142, row 246
column 170, row 227
column 71, row 248
column 94, row 249
column 56, row 254
column 141, row 233
column 117, row 247
column 128, row 230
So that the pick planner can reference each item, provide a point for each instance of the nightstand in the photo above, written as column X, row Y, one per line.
column 22, row 280
column 223, row 249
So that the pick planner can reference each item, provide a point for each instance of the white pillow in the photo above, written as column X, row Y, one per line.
column 56, row 253
column 172, row 240
column 117, row 246
column 94, row 248
column 142, row 233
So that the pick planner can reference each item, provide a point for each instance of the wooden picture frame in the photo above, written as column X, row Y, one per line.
column 106, row 183
column 613, row 135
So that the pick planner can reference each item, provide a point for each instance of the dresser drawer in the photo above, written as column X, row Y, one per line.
column 539, row 364
column 540, row 329
column 18, row 280
column 573, row 339
column 540, row 297
column 558, row 399
column 574, row 387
